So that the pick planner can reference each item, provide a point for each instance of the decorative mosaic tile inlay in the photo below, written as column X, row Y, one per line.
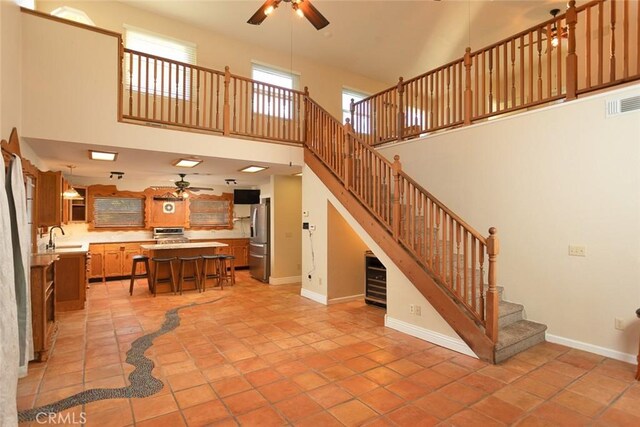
column 142, row 382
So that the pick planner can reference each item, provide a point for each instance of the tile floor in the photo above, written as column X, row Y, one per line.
column 265, row 356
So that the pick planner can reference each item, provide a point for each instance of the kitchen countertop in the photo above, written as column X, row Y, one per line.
column 41, row 260
column 67, row 248
column 153, row 247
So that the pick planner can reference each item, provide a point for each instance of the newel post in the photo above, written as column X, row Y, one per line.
column 352, row 110
column 572, row 58
column 493, row 248
column 396, row 168
column 226, row 111
column 468, row 96
column 400, row 88
column 348, row 153
column 307, row 114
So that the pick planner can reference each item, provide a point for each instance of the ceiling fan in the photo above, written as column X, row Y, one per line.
column 301, row 7
column 181, row 186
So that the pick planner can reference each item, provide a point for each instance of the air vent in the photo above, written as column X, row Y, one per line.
column 620, row 106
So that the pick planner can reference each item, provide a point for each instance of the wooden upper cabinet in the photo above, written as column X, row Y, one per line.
column 165, row 211
column 52, row 208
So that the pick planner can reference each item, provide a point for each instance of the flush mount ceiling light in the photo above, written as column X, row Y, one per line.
column 118, row 175
column 187, row 163
column 253, row 169
column 71, row 193
column 103, row 155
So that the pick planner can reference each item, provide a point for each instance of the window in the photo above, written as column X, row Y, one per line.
column 72, row 14
column 173, row 78
column 268, row 100
column 361, row 120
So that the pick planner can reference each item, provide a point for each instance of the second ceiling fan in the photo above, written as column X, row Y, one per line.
column 301, row 7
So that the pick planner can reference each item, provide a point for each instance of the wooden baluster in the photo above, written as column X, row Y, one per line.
column 139, row 85
column 191, row 70
column 234, row 116
column 448, row 109
column 198, row 99
column 531, row 72
column 612, row 47
column 130, row 83
column 397, row 167
column 146, row 87
column 458, row 287
column 218, row 102
column 498, row 75
column 169, row 85
column 587, row 36
column 184, row 94
column 441, row 116
column 493, row 248
column 481, row 250
column 505, row 60
column 177, row 97
column 204, row 100
column 523, row 98
column 155, row 86
column 444, row 245
column 559, row 62
column 490, row 81
column 474, row 248
column 540, row 94
column 572, row 58
column 600, row 42
column 465, row 265
column 400, row 89
column 431, row 117
column 513, row 73
column 484, row 81
column 450, row 279
column 432, row 244
column 549, row 62
column 476, row 65
column 162, row 67
column 226, row 109
column 459, row 91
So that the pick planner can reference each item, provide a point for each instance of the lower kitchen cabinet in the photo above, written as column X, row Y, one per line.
column 238, row 248
column 71, row 281
column 113, row 259
column 97, row 261
column 43, row 304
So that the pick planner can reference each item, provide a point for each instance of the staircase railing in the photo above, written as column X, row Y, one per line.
column 585, row 49
column 455, row 254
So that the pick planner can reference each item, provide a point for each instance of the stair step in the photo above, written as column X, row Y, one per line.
column 517, row 337
column 509, row 313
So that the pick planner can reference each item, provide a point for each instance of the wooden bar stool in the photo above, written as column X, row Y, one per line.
column 137, row 259
column 228, row 276
column 171, row 279
column 213, row 261
column 196, row 272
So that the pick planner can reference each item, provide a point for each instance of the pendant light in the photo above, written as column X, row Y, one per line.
column 71, row 193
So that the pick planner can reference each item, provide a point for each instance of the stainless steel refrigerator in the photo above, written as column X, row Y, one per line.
column 259, row 256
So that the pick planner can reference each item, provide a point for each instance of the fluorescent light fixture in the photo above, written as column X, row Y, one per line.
column 253, row 169
column 103, row 155
column 187, row 163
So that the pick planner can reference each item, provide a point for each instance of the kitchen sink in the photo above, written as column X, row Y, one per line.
column 68, row 246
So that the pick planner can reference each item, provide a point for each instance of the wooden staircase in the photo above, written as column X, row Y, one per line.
column 435, row 249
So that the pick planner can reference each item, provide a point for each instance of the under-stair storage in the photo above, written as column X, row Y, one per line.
column 375, row 281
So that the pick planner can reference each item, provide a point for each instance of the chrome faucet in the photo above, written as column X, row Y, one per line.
column 52, row 245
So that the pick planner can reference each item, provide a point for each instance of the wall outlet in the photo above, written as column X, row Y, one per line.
column 412, row 309
column 305, row 213
column 312, row 227
column 618, row 324
column 418, row 310
column 575, row 250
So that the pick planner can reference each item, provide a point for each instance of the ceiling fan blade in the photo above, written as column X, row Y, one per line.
column 313, row 15
column 260, row 16
column 199, row 188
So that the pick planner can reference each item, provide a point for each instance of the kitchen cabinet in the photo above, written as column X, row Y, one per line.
column 71, row 281
column 51, row 205
column 97, row 261
column 238, row 248
column 77, row 209
column 43, row 304
column 118, row 258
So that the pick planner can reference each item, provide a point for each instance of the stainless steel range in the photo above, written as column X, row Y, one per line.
column 169, row 235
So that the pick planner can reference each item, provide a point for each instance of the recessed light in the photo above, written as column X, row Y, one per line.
column 187, row 163
column 103, row 155
column 253, row 169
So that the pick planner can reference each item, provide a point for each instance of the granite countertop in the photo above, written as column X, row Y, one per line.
column 152, row 247
column 67, row 248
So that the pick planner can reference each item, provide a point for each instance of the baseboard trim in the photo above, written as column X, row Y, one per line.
column 591, row 348
column 345, row 299
column 437, row 338
column 314, row 296
column 285, row 280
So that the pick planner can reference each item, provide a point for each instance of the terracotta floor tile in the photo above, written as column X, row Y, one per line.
column 174, row 419
column 205, row 413
column 518, row 397
column 404, row 367
column 249, row 365
column 57, row 394
column 381, row 400
column 500, row 373
column 499, row 410
column 244, row 402
column 360, row 364
column 488, row 384
column 536, row 388
column 357, row 385
column 352, row 413
column 112, row 412
column 291, row 368
column 153, row 406
column 280, row 390
column 329, row 395
column 628, row 404
column 534, row 421
column 298, row 407
column 309, row 380
column 103, row 372
column 580, row 403
column 382, row 356
column 470, row 417
column 560, row 415
column 166, row 359
column 186, row 380
column 408, row 389
column 462, row 393
column 382, row 375
column 616, row 417
column 593, row 391
column 216, row 373
column 263, row 417
column 323, row 419
column 337, row 372
column 263, row 376
column 27, row 388
column 52, row 382
column 412, row 416
column 437, row 405
column 194, row 396
column 451, row 370
column 111, row 382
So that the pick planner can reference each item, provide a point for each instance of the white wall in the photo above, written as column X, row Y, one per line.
column 400, row 292
column 10, row 68
column 546, row 179
column 285, row 233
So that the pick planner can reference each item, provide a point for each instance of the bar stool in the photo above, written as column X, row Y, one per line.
column 171, row 279
column 228, row 276
column 137, row 259
column 215, row 263
column 196, row 272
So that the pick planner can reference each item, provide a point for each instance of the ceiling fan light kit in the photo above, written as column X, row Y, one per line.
column 302, row 8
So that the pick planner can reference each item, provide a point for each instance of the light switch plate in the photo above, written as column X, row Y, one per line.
column 575, row 250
